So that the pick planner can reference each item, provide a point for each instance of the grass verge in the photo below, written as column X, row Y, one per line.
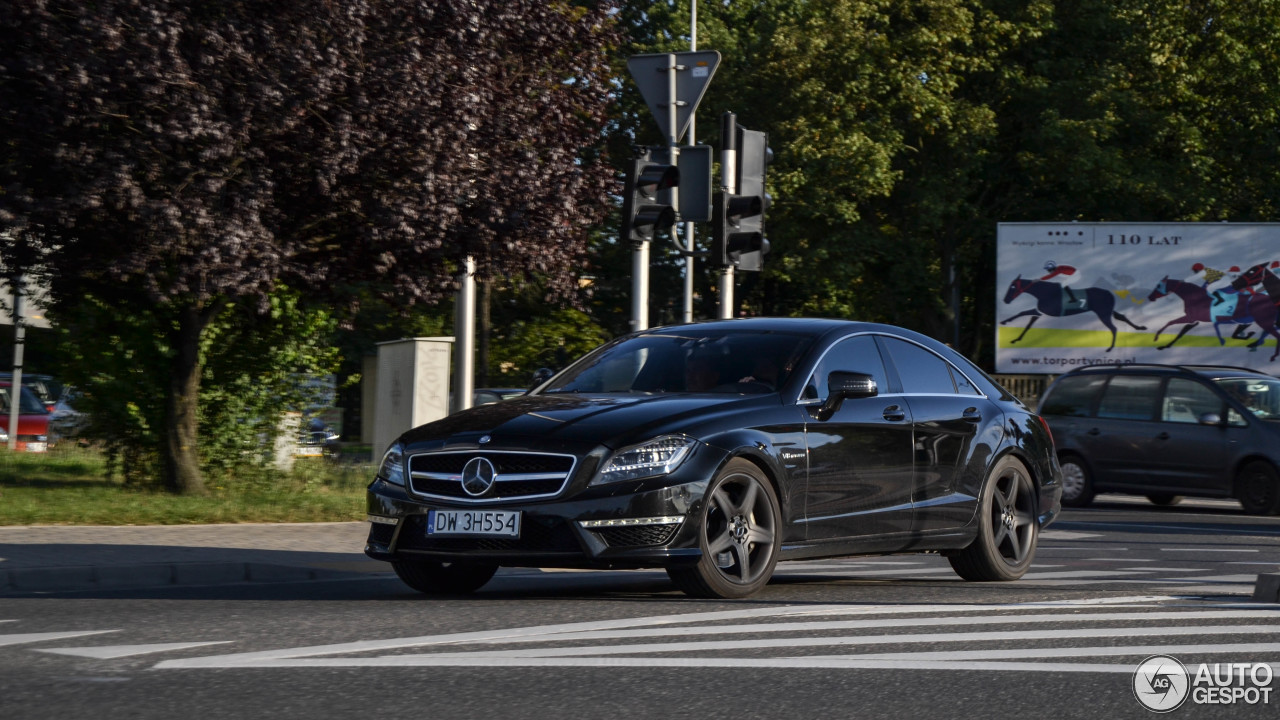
column 69, row 486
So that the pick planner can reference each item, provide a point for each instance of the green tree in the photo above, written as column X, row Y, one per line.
column 255, row 366
column 905, row 131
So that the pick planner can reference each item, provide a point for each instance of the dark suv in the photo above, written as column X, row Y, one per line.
column 1166, row 431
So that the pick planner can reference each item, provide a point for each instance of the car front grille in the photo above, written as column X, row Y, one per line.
column 536, row 535
column 517, row 475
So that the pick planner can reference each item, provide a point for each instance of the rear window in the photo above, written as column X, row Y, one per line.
column 1072, row 396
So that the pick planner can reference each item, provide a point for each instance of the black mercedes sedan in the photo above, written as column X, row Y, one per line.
column 716, row 449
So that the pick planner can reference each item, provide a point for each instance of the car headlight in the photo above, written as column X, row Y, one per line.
column 659, row 456
column 392, row 467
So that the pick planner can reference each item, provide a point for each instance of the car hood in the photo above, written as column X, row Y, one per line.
column 611, row 420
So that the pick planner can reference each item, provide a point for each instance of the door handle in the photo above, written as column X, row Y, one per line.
column 1094, row 431
column 972, row 415
column 1163, row 436
column 893, row 413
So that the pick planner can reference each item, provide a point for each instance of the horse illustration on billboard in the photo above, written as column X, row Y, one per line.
column 1053, row 300
column 1199, row 305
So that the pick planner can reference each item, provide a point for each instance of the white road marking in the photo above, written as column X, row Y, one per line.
column 46, row 636
column 1035, row 576
column 609, row 655
column 863, row 640
column 1104, row 651
column 1209, row 550
column 894, row 623
column 110, row 652
column 1082, row 548
column 1066, row 535
column 1223, row 578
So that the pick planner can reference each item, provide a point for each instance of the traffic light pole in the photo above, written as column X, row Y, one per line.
column 690, row 246
column 728, row 186
column 640, row 254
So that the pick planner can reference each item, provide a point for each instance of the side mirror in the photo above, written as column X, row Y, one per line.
column 540, row 376
column 843, row 386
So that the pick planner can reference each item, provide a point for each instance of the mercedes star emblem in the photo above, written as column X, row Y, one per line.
column 478, row 476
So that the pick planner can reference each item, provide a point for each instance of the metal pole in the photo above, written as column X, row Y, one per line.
column 19, row 342
column 464, row 330
column 640, row 286
column 728, row 186
column 690, row 246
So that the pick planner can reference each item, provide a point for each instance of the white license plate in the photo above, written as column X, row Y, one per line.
column 37, row 447
column 502, row 523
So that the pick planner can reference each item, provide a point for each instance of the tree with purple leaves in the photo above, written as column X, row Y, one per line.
column 192, row 156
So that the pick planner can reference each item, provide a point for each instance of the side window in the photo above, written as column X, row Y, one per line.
column 855, row 354
column 1186, row 400
column 1073, row 396
column 1130, row 397
column 963, row 386
column 921, row 371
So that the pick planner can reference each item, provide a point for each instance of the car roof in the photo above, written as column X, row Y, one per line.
column 805, row 326
column 1212, row 372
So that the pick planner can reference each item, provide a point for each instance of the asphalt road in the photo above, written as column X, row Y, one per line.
column 896, row 637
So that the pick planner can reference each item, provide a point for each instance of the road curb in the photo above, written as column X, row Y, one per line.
column 22, row 581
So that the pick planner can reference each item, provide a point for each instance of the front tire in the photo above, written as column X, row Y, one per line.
column 1077, row 485
column 1007, row 527
column 437, row 578
column 1258, row 488
column 739, row 534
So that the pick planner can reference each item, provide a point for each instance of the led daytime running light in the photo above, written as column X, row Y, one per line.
column 631, row 522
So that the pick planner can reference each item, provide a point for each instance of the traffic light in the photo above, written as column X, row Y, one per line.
column 735, row 232
column 738, row 232
column 643, row 210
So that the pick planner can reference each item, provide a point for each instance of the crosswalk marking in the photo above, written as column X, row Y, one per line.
column 779, row 637
column 111, row 652
column 23, row 638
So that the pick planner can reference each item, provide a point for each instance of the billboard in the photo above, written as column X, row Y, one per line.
column 1071, row 294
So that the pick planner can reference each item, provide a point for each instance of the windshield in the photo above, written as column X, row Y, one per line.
column 29, row 403
column 696, row 360
column 1260, row 396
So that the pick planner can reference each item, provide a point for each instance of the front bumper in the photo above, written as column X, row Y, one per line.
column 552, row 531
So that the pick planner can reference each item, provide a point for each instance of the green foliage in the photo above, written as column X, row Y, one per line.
column 553, row 340
column 255, row 368
column 905, row 131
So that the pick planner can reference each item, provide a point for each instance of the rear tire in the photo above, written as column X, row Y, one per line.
column 1258, row 488
column 1008, row 527
column 1077, row 483
column 437, row 578
column 740, row 534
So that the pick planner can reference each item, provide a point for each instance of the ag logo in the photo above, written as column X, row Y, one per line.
column 1161, row 683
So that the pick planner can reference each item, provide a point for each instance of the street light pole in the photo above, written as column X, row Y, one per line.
column 19, row 342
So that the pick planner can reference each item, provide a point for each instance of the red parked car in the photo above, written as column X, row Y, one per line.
column 33, row 420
